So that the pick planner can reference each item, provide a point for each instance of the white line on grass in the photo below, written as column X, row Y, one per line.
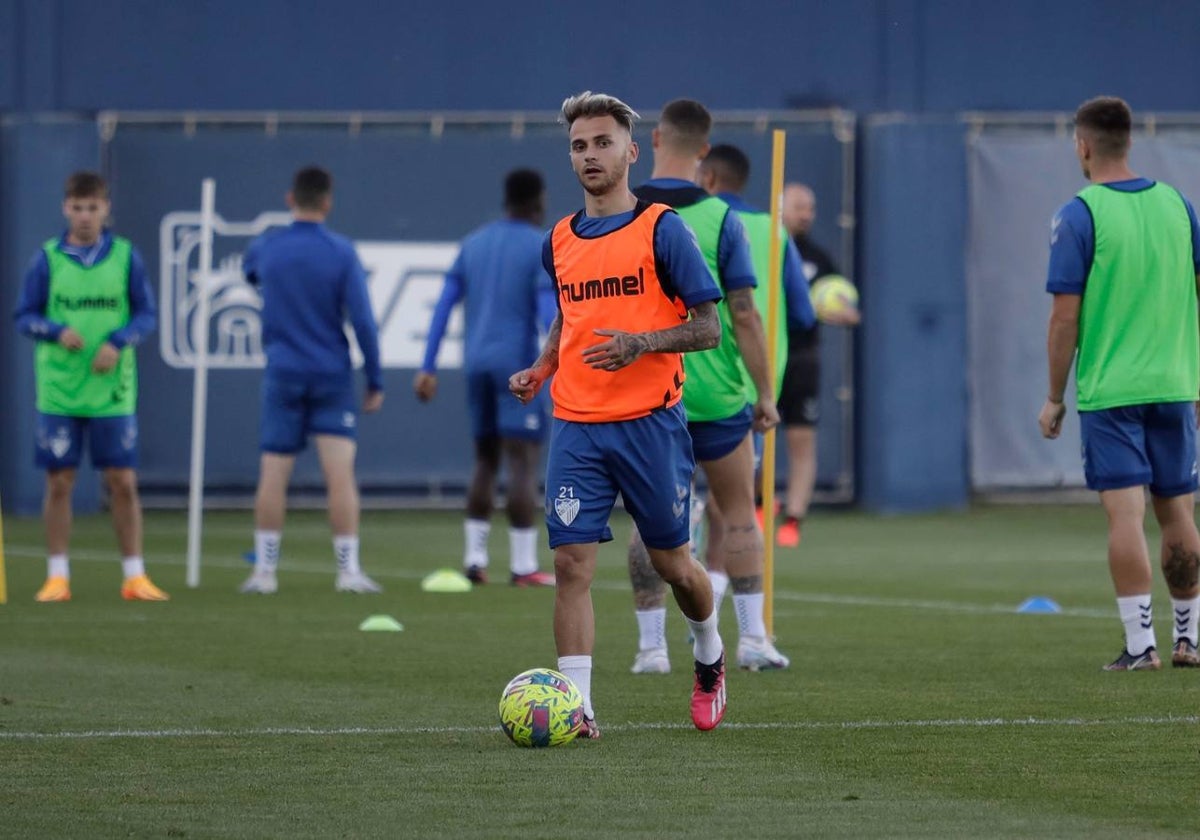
column 783, row 595
column 952, row 723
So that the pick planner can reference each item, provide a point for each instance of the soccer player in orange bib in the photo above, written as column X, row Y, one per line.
column 633, row 295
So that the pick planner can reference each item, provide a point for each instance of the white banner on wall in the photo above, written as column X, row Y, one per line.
column 404, row 280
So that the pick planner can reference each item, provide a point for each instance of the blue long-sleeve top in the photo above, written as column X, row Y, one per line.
column 311, row 282
column 30, row 313
column 800, row 314
column 508, row 295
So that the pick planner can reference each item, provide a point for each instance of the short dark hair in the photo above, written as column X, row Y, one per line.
column 1108, row 122
column 730, row 164
column 685, row 124
column 85, row 184
column 310, row 186
column 522, row 189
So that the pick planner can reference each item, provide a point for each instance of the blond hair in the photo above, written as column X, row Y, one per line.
column 588, row 104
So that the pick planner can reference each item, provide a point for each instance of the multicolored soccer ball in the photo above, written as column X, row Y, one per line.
column 832, row 295
column 541, row 708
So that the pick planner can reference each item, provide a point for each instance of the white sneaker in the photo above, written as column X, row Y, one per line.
column 652, row 661
column 260, row 582
column 356, row 582
column 756, row 653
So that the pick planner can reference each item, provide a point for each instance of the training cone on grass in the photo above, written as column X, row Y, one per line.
column 446, row 580
column 1039, row 604
column 380, row 624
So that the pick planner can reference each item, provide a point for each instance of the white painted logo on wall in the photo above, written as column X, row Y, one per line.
column 404, row 280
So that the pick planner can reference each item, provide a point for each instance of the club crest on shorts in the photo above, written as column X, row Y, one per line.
column 567, row 509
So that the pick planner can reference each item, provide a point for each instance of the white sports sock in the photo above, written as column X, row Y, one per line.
column 133, row 567
column 522, row 550
column 579, row 669
column 708, row 646
column 1186, row 610
column 652, row 628
column 475, row 533
column 720, row 585
column 749, row 611
column 1137, row 617
column 345, row 552
column 266, row 550
column 57, row 565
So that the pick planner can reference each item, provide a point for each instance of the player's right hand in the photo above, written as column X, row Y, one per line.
column 766, row 415
column 1050, row 418
column 372, row 402
column 70, row 339
column 524, row 384
column 425, row 385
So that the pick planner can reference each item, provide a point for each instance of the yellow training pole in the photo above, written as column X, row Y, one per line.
column 774, row 285
column 3, row 579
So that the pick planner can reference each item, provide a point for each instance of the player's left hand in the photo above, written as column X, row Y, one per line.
column 849, row 317
column 766, row 414
column 372, row 402
column 1051, row 417
column 106, row 358
column 620, row 350
column 425, row 385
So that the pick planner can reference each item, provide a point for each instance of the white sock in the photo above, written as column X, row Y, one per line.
column 707, row 647
column 1187, row 610
column 720, row 585
column 133, row 567
column 749, row 611
column 522, row 548
column 57, row 565
column 345, row 551
column 579, row 669
column 266, row 550
column 1138, row 620
column 652, row 628
column 476, row 531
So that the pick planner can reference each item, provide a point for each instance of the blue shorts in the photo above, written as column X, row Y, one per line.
column 714, row 439
column 648, row 460
column 112, row 441
column 495, row 412
column 1138, row 445
column 296, row 405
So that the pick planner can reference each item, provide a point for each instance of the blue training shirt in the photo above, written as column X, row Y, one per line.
column 30, row 313
column 311, row 282
column 735, row 264
column 1073, row 240
column 800, row 314
column 499, row 274
column 683, row 269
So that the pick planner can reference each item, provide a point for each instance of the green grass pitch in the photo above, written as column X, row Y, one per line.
column 918, row 704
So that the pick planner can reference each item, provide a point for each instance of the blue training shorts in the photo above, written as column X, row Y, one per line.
column 112, row 441
column 1137, row 445
column 495, row 412
column 296, row 405
column 714, row 439
column 648, row 461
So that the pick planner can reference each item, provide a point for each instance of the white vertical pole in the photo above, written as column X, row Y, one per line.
column 208, row 197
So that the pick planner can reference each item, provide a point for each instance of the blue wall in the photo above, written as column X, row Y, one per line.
column 866, row 55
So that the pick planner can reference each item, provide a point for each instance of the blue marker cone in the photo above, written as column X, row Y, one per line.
column 1039, row 604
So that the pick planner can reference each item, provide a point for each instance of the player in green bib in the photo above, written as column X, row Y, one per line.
column 1124, row 272
column 717, row 398
column 86, row 301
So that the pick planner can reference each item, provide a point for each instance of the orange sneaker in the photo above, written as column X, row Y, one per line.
column 141, row 588
column 54, row 589
column 788, row 535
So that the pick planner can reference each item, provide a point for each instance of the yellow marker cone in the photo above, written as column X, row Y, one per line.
column 381, row 623
column 446, row 580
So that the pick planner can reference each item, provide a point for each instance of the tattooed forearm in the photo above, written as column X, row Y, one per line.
column 549, row 357
column 702, row 332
